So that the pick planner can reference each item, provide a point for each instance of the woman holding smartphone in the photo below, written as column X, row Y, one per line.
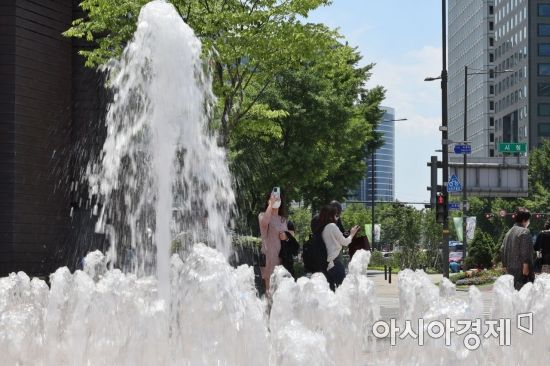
column 334, row 241
column 273, row 224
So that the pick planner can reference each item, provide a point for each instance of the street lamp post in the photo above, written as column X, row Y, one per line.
column 444, row 139
column 372, row 185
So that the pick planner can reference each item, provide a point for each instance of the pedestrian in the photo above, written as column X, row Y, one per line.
column 542, row 244
column 334, row 240
column 517, row 250
column 273, row 228
column 338, row 206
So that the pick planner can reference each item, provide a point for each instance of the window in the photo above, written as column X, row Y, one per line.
column 544, row 109
column 491, row 26
column 491, row 153
column 544, row 49
column 544, row 129
column 491, row 57
column 491, row 9
column 543, row 89
column 544, row 10
column 492, row 40
column 544, row 69
column 491, row 74
column 491, row 121
column 492, row 105
column 491, row 89
column 544, row 30
column 491, row 137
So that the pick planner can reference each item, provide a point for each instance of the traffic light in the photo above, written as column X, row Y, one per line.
column 538, row 216
column 440, row 208
column 488, row 216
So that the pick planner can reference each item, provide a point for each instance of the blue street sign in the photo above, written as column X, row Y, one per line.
column 454, row 185
column 454, row 206
column 463, row 149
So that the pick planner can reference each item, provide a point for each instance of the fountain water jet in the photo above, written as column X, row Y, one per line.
column 161, row 175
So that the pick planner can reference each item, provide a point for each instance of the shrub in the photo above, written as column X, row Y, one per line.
column 376, row 258
column 480, row 251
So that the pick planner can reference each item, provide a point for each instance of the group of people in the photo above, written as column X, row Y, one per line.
column 518, row 252
column 278, row 243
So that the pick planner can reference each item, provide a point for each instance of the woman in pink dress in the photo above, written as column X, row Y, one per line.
column 273, row 224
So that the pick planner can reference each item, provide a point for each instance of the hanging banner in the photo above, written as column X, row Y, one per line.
column 458, row 227
column 471, row 223
column 368, row 232
column 377, row 229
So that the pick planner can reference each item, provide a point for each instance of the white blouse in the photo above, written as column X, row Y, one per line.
column 334, row 240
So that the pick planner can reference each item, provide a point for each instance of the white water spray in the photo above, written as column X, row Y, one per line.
column 158, row 160
column 162, row 178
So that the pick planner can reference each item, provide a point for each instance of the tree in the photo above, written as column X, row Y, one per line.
column 248, row 43
column 481, row 251
column 356, row 214
column 401, row 225
column 316, row 146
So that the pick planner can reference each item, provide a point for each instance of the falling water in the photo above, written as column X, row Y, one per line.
column 163, row 182
column 161, row 177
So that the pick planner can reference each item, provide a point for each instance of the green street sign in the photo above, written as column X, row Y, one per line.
column 512, row 147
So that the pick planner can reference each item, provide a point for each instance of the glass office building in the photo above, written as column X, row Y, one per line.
column 384, row 165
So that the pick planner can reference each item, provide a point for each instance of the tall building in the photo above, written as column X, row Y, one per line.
column 471, row 41
column 523, row 96
column 384, row 165
column 506, row 46
column 511, row 88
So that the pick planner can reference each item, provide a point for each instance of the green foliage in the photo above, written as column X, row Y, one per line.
column 376, row 259
column 356, row 214
column 475, row 277
column 248, row 42
column 329, row 123
column 292, row 108
column 301, row 217
column 480, row 251
column 401, row 226
column 246, row 241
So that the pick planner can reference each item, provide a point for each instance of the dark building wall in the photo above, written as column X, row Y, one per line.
column 7, row 131
column 39, row 133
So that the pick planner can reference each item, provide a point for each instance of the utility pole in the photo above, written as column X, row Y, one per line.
column 444, row 138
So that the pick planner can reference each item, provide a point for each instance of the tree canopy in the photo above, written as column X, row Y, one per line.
column 292, row 106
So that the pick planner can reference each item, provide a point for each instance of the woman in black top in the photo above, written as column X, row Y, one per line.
column 543, row 244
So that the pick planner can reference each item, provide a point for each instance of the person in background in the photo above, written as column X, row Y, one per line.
column 338, row 206
column 334, row 240
column 517, row 250
column 542, row 244
column 273, row 228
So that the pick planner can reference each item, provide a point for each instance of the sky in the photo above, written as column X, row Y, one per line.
column 403, row 39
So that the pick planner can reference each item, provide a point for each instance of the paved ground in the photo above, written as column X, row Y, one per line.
column 388, row 296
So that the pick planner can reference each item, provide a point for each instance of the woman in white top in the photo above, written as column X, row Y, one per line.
column 334, row 241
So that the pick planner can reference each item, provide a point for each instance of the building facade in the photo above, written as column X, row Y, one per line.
column 506, row 46
column 511, row 52
column 471, row 41
column 384, row 165
column 50, row 113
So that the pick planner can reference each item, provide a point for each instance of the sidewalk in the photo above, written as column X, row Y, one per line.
column 388, row 296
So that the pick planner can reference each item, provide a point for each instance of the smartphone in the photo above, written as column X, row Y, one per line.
column 277, row 192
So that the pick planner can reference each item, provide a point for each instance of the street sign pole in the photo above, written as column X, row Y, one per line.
column 465, row 168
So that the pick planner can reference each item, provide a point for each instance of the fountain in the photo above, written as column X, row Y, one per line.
column 163, row 183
